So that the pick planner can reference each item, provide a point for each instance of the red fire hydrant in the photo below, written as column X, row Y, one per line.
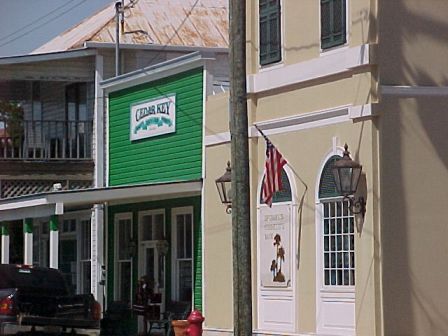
column 195, row 319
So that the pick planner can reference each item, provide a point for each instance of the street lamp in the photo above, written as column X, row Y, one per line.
column 224, row 188
column 346, row 174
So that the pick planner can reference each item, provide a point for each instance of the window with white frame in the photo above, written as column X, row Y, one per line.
column 338, row 244
column 123, row 264
column 338, row 232
column 183, row 253
column 153, row 225
column 85, row 256
column 152, row 229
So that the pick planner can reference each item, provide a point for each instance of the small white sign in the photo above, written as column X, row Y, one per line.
column 153, row 117
column 275, row 246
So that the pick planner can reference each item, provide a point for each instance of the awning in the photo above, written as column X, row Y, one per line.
column 56, row 202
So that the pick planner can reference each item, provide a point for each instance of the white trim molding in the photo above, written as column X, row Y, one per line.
column 299, row 122
column 339, row 61
column 409, row 91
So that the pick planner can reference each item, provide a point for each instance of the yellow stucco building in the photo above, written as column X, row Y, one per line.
column 322, row 73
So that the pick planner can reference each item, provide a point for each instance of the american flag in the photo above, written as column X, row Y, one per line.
column 272, row 181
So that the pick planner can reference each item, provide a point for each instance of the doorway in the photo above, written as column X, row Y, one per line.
column 151, row 255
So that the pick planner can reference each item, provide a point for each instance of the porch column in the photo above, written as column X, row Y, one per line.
column 5, row 244
column 28, row 241
column 97, row 260
column 54, row 242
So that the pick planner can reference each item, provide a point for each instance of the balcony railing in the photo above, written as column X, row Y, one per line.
column 48, row 140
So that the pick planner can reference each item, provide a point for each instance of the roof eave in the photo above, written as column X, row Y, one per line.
column 52, row 56
column 54, row 203
column 155, row 47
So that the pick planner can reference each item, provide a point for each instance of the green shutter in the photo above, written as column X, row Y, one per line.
column 327, row 186
column 270, row 31
column 332, row 21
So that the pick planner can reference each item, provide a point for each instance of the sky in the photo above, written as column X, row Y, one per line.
column 27, row 24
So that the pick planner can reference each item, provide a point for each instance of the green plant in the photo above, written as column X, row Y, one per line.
column 11, row 114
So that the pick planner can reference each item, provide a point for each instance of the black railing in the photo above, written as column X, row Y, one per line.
column 48, row 140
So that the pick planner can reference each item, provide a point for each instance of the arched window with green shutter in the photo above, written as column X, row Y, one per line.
column 283, row 195
column 327, row 186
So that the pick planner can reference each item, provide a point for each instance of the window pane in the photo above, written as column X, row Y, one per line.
column 37, row 102
column 124, row 285
column 71, row 103
column 147, row 227
column 185, row 280
column 161, row 275
column 86, row 277
column 338, row 244
column 124, row 237
column 150, row 266
column 82, row 102
column 85, row 239
column 327, row 278
column 159, row 223
column 180, row 237
column 188, row 236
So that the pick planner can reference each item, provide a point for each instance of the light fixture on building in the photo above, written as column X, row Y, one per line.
column 132, row 248
column 224, row 188
column 346, row 174
column 162, row 247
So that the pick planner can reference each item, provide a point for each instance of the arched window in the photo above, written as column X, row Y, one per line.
column 338, row 232
column 283, row 195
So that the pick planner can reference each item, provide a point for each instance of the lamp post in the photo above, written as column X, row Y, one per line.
column 223, row 184
column 346, row 174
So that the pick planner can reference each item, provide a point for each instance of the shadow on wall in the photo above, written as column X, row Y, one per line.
column 414, row 165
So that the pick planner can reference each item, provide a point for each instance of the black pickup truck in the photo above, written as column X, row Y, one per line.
column 35, row 300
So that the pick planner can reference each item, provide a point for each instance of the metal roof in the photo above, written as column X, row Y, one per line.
column 155, row 72
column 196, row 23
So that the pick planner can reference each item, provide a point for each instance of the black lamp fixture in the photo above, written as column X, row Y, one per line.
column 162, row 247
column 346, row 174
column 224, row 188
column 132, row 248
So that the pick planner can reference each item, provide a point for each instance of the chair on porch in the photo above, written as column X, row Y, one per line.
column 175, row 310
column 147, row 304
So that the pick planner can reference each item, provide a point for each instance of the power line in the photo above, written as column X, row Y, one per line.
column 42, row 24
column 35, row 21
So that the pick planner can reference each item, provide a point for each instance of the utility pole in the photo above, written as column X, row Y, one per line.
column 118, row 12
column 241, row 233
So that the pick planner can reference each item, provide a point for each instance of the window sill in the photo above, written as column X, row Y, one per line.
column 271, row 66
column 334, row 50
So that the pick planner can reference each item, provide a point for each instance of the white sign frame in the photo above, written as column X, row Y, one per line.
column 275, row 221
column 153, row 117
